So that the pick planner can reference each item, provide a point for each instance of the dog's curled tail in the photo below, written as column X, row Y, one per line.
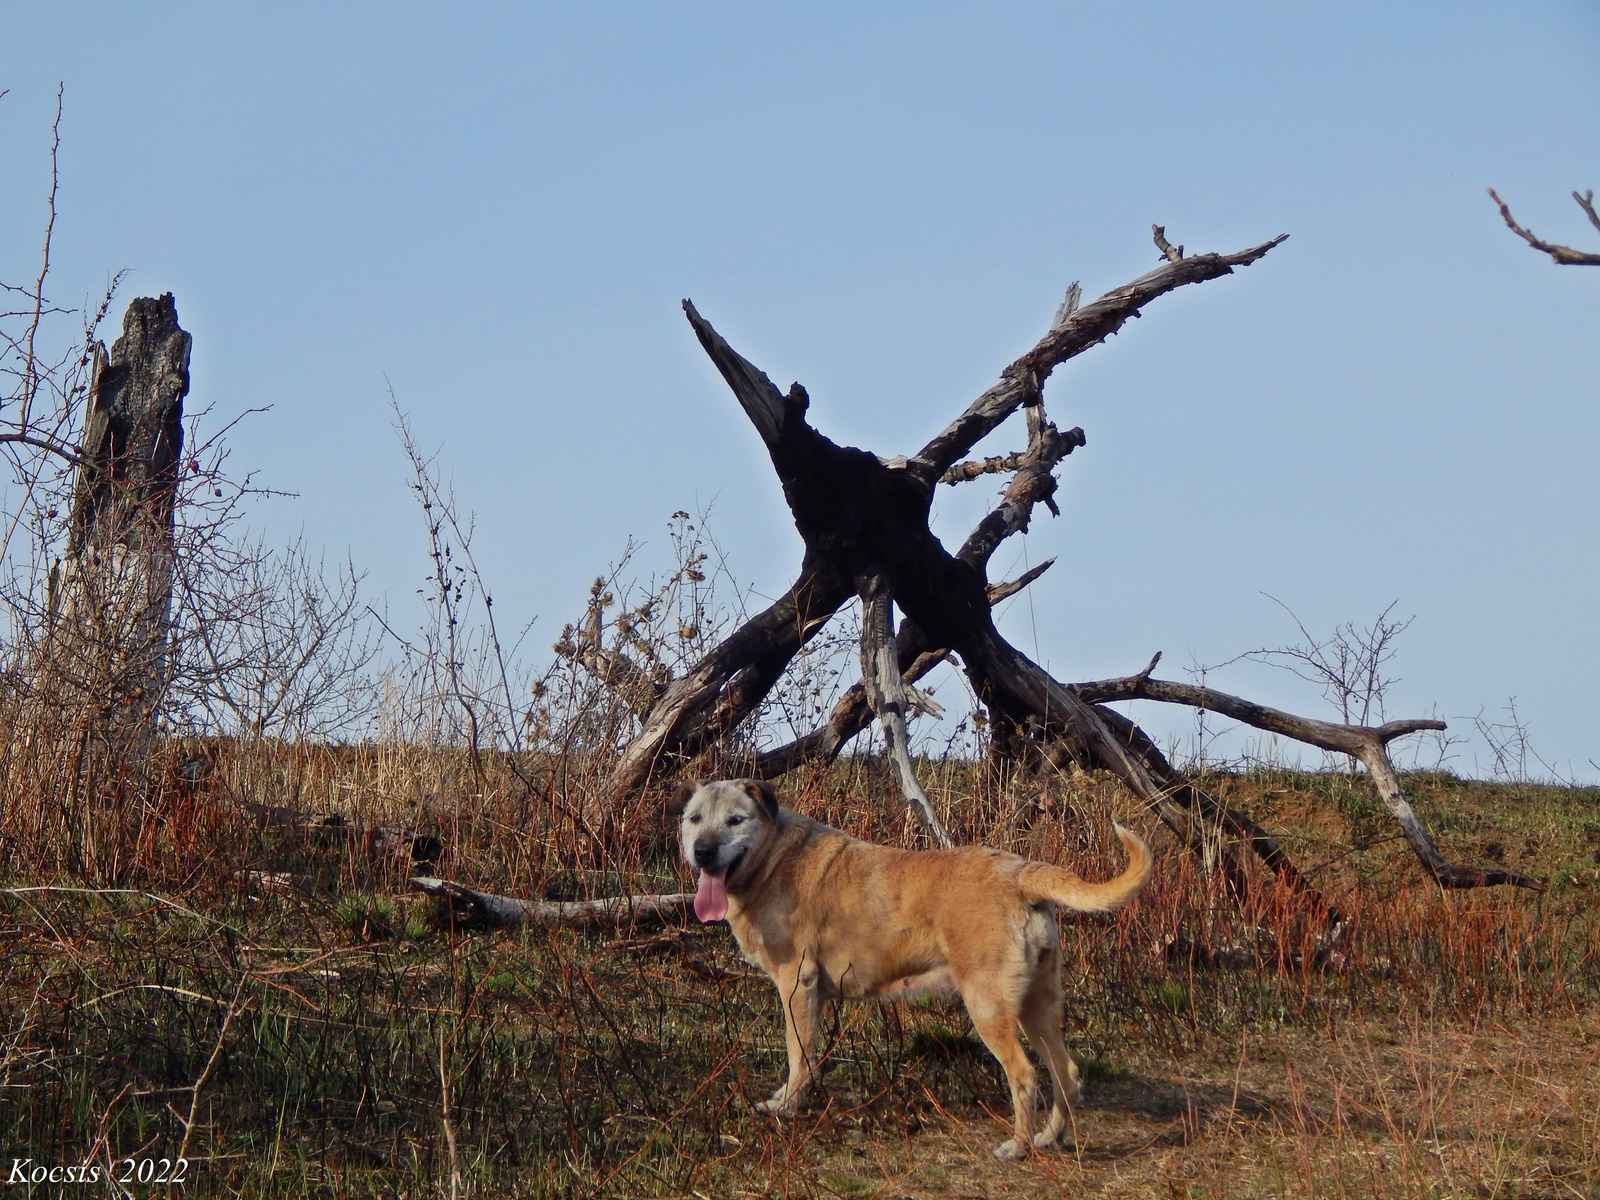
column 1045, row 881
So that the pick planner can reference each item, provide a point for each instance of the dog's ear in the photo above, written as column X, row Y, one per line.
column 764, row 794
column 680, row 797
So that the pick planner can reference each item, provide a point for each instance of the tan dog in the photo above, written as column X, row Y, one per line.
column 826, row 915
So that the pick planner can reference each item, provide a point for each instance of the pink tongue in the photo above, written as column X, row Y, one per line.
column 711, row 898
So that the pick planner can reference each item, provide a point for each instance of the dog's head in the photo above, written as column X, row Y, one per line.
column 723, row 827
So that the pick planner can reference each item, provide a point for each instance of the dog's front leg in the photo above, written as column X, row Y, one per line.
column 800, row 993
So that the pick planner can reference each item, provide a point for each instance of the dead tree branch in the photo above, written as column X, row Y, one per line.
column 1564, row 256
column 1369, row 744
column 1034, row 483
column 886, row 694
column 1082, row 328
column 1168, row 251
column 852, row 714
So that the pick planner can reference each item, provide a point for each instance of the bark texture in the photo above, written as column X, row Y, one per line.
column 111, row 595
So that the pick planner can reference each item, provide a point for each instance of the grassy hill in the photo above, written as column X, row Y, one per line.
column 275, row 1005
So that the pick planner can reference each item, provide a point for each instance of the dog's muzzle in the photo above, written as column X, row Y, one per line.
column 711, row 895
column 708, row 855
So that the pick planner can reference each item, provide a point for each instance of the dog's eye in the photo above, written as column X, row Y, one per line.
column 736, row 820
column 694, row 819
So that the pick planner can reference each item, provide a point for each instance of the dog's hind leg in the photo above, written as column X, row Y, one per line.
column 996, row 1022
column 801, row 997
column 1041, row 1021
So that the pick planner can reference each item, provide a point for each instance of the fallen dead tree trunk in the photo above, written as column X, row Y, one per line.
column 722, row 690
column 1263, row 952
column 864, row 522
column 280, row 883
column 483, row 910
column 870, row 515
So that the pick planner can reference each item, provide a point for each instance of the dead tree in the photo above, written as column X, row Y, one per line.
column 864, row 522
column 1564, row 256
column 111, row 594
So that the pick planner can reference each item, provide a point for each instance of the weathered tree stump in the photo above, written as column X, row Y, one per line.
column 105, row 657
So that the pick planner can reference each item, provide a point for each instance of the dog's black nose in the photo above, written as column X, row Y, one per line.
column 705, row 853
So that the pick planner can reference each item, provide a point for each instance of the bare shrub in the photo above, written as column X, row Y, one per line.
column 637, row 634
column 454, row 684
column 1347, row 665
column 1511, row 751
column 275, row 644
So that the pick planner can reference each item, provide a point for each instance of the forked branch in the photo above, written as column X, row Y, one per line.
column 1564, row 256
column 1080, row 329
column 1367, row 743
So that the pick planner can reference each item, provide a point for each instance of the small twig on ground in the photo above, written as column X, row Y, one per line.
column 449, row 1128
column 216, row 1052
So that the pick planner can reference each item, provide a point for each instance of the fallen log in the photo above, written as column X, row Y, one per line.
column 469, row 908
column 280, row 883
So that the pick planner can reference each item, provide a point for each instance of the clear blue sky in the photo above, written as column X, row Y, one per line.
column 497, row 208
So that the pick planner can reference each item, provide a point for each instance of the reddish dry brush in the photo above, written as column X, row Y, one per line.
column 599, row 1064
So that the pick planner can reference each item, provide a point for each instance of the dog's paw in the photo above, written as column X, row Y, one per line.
column 1010, row 1151
column 778, row 1106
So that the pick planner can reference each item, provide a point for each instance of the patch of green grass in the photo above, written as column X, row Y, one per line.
column 367, row 917
column 1174, row 996
column 841, row 1183
column 1097, row 1066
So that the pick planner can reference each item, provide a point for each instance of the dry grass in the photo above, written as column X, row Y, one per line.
column 307, row 1043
